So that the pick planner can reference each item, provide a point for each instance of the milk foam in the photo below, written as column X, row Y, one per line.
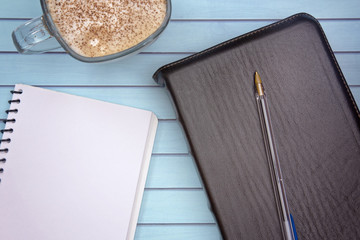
column 95, row 28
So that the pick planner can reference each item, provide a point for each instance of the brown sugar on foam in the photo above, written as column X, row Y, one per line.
column 95, row 28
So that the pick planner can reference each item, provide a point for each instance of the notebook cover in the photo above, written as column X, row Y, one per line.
column 315, row 121
column 73, row 167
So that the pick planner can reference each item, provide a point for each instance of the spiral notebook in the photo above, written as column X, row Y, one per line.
column 72, row 167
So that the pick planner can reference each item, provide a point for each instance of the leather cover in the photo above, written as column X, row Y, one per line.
column 315, row 121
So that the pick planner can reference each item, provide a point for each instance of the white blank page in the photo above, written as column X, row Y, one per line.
column 72, row 168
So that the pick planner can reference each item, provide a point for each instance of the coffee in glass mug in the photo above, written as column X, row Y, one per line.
column 94, row 30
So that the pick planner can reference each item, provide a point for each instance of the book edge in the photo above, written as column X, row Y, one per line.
column 153, row 124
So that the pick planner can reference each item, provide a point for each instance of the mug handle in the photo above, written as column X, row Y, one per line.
column 34, row 37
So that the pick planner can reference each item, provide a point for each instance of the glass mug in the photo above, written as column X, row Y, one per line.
column 46, row 33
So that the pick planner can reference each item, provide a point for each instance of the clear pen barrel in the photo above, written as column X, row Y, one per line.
column 274, row 167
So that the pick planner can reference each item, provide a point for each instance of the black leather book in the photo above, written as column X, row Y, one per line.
column 315, row 121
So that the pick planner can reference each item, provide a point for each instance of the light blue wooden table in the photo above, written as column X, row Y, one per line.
column 174, row 204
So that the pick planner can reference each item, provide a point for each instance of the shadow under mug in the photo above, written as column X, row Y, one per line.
column 41, row 35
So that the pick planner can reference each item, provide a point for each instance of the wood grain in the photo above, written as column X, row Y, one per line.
column 173, row 171
column 48, row 70
column 194, row 36
column 177, row 232
column 226, row 9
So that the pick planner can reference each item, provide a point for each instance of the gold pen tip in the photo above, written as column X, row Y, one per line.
column 257, row 78
column 258, row 84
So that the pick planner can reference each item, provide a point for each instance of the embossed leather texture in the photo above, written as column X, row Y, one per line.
column 315, row 121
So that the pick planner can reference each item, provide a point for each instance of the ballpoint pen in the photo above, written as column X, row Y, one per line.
column 273, row 161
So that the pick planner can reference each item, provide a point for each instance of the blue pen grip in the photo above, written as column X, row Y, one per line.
column 293, row 226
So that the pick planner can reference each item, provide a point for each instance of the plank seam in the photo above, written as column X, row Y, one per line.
column 216, row 19
column 176, row 224
column 174, row 189
column 166, row 53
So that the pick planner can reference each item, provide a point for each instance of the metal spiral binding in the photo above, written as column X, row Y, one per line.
column 10, row 130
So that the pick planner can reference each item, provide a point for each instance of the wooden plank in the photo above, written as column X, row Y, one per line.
column 177, row 232
column 175, row 206
column 172, row 171
column 356, row 93
column 60, row 69
column 350, row 66
column 337, row 31
column 183, row 36
column 276, row 9
column 20, row 9
column 194, row 36
column 226, row 9
column 170, row 139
